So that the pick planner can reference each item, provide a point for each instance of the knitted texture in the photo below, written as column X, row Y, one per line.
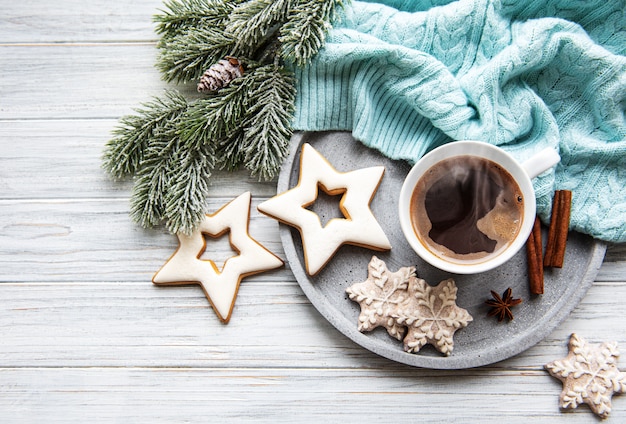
column 407, row 76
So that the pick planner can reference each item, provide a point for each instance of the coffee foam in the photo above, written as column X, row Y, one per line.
column 502, row 222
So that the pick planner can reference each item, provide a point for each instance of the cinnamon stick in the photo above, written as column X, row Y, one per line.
column 534, row 253
column 559, row 227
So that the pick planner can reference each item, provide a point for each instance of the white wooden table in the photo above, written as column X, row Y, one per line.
column 86, row 337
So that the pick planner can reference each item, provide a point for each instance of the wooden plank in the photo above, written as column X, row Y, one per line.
column 612, row 271
column 59, row 239
column 614, row 265
column 55, row 240
column 56, row 159
column 61, row 159
column 93, row 240
column 42, row 21
column 273, row 325
column 65, row 81
column 144, row 325
column 57, row 395
column 85, row 336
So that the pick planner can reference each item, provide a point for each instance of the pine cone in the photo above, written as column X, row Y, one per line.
column 220, row 74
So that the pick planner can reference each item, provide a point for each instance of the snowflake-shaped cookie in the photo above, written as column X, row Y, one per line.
column 589, row 375
column 380, row 295
column 399, row 300
column 432, row 316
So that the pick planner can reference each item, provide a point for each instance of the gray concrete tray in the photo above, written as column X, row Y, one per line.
column 485, row 340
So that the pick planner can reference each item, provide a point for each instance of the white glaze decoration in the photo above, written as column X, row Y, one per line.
column 219, row 286
column 358, row 227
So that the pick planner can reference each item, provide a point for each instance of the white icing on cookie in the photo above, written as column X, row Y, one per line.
column 358, row 227
column 589, row 374
column 220, row 287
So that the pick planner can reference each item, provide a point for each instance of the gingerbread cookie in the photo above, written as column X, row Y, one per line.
column 589, row 375
column 432, row 316
column 358, row 226
column 380, row 295
column 409, row 308
column 219, row 286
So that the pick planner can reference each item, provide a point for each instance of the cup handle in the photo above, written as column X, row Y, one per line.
column 541, row 161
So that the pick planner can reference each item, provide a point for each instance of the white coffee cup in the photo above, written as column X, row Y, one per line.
column 522, row 174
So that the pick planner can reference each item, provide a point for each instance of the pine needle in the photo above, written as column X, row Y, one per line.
column 253, row 22
column 124, row 153
column 172, row 146
column 229, row 151
column 147, row 206
column 172, row 184
column 305, row 31
column 188, row 188
column 180, row 15
column 185, row 57
column 217, row 116
column 268, row 129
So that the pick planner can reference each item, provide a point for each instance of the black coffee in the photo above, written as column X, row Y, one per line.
column 466, row 208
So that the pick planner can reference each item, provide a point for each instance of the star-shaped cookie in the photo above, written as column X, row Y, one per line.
column 219, row 286
column 589, row 375
column 358, row 226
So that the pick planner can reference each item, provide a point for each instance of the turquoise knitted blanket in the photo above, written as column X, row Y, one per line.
column 407, row 76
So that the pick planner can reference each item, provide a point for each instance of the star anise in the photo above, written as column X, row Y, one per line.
column 501, row 306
